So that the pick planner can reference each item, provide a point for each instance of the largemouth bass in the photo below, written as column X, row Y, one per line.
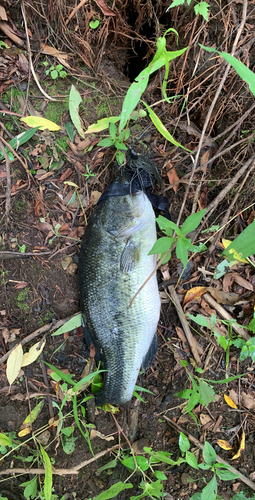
column 113, row 264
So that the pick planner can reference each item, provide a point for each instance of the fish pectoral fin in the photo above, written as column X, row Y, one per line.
column 151, row 353
column 129, row 256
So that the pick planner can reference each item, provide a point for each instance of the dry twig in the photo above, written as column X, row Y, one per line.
column 8, row 180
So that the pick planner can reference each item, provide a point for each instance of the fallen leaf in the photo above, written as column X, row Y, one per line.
column 173, row 178
column 205, row 419
column 14, row 363
column 94, row 433
column 3, row 15
column 6, row 335
column 234, row 396
column 39, row 121
column 230, row 402
column 228, row 281
column 33, row 353
column 181, row 334
column 248, row 401
column 96, row 196
column 194, row 293
column 243, row 282
column 229, row 298
column 241, row 448
column 224, row 444
column 104, row 8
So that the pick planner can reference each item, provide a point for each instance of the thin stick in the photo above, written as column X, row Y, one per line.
column 8, row 181
column 75, row 10
column 62, row 472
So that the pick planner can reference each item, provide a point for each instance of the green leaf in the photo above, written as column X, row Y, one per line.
column 160, row 475
column 129, row 463
column 106, row 143
column 132, row 98
column 113, row 491
column 244, row 244
column 209, row 454
column 207, row 394
column 113, row 130
column 109, row 465
column 120, row 145
column 70, row 131
column 142, row 389
column 4, row 440
column 245, row 73
column 74, row 102
column 71, row 324
column 120, row 157
column 30, row 490
column 86, row 379
column 176, row 3
column 202, row 9
column 167, row 225
column 191, row 460
column 54, row 74
column 192, row 222
column 161, row 128
column 18, row 141
column 124, row 135
column 166, row 259
column 94, row 24
column 226, row 475
column 48, row 474
column 210, row 490
column 200, row 320
column 225, row 380
column 63, row 376
column 196, row 496
column 184, row 443
column 181, row 252
column 102, row 124
column 161, row 245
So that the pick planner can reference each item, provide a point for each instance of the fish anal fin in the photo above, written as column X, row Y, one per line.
column 88, row 338
column 151, row 353
column 129, row 256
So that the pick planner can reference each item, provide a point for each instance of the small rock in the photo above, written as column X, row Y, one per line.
column 44, row 437
column 66, row 261
column 185, row 477
column 139, row 445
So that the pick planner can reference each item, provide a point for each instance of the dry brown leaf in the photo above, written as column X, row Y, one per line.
column 223, row 297
column 104, row 8
column 234, row 396
column 228, row 281
column 242, row 282
column 14, row 364
column 173, row 178
column 204, row 159
column 224, row 444
column 94, row 433
column 6, row 335
column 96, row 196
column 205, row 419
column 180, row 334
column 248, row 401
column 3, row 15
column 230, row 402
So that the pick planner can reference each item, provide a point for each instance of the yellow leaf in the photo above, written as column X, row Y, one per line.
column 237, row 256
column 230, row 402
column 39, row 121
column 241, row 448
column 194, row 293
column 32, row 416
column 14, row 364
column 224, row 444
column 30, row 356
column 24, row 432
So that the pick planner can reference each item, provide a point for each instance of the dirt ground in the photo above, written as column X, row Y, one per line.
column 40, row 240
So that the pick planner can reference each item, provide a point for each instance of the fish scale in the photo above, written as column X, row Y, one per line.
column 113, row 265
